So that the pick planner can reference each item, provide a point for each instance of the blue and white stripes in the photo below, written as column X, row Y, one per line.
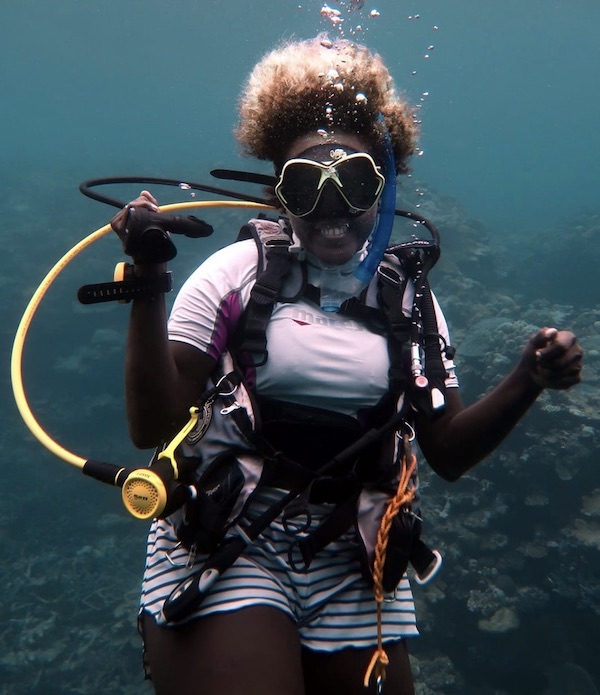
column 331, row 603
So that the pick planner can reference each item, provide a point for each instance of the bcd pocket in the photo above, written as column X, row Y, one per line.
column 405, row 530
column 205, row 518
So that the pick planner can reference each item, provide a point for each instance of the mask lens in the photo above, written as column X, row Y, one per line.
column 361, row 182
column 298, row 187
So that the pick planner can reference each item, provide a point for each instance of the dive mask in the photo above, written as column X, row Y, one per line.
column 356, row 177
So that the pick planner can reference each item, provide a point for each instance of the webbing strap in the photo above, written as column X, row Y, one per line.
column 391, row 292
column 252, row 345
column 334, row 525
column 434, row 365
column 125, row 290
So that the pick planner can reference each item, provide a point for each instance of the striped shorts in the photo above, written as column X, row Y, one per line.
column 331, row 603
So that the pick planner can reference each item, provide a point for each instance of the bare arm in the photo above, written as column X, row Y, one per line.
column 163, row 378
column 462, row 437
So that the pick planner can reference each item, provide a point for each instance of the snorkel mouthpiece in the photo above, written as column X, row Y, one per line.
column 336, row 288
column 385, row 220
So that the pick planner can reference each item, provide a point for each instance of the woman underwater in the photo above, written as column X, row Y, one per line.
column 327, row 115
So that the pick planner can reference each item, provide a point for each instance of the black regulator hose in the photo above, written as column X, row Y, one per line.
column 86, row 189
column 153, row 491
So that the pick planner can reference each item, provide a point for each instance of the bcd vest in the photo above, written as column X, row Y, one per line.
column 242, row 442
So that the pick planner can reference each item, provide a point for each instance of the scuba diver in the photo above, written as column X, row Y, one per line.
column 317, row 359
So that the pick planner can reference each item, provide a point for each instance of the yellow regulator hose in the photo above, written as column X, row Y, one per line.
column 17, row 352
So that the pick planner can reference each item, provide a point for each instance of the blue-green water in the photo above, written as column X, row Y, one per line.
column 509, row 173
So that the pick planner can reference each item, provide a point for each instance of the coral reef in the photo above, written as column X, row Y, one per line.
column 520, row 534
column 519, row 591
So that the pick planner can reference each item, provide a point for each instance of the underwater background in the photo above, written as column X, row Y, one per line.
column 509, row 173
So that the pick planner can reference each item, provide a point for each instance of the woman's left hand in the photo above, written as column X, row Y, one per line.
column 553, row 359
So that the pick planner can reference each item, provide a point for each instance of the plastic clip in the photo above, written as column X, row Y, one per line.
column 431, row 571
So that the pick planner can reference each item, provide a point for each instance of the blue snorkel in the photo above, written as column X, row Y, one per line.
column 385, row 219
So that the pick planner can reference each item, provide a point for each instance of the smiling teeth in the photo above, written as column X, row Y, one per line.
column 332, row 232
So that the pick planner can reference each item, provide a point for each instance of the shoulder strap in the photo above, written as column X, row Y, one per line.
column 266, row 234
column 392, row 279
column 273, row 240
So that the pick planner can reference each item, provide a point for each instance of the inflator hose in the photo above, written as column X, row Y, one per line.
column 18, row 346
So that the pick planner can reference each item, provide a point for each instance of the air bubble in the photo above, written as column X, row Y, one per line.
column 333, row 15
column 374, row 13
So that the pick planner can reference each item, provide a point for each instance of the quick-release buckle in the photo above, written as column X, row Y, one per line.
column 255, row 353
column 265, row 291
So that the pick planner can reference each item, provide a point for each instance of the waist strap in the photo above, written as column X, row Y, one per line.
column 310, row 436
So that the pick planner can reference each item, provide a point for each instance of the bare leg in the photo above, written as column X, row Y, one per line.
column 343, row 672
column 251, row 651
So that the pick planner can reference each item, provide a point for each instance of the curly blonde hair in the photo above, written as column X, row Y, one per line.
column 303, row 86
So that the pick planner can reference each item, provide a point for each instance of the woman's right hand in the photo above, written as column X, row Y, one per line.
column 143, row 236
column 144, row 200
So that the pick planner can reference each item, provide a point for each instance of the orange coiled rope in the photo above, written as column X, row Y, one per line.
column 402, row 498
